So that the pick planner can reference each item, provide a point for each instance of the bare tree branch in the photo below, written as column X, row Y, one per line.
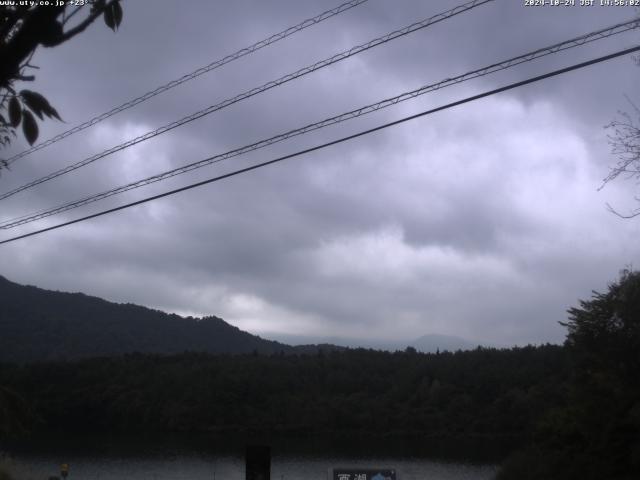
column 633, row 214
column 71, row 15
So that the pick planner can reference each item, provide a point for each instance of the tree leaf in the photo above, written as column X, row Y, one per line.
column 117, row 13
column 52, row 112
column 29, row 127
column 109, row 17
column 14, row 112
column 39, row 104
column 97, row 5
column 36, row 102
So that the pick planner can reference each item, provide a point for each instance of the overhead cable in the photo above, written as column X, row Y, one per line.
column 334, row 142
column 190, row 76
column 255, row 91
column 527, row 57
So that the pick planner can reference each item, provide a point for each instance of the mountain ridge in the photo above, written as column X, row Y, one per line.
column 43, row 325
column 429, row 343
column 38, row 324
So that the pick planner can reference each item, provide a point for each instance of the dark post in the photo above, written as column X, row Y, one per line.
column 258, row 462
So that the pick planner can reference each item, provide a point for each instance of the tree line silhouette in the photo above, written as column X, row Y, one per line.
column 574, row 410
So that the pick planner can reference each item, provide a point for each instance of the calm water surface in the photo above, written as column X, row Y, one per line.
column 94, row 460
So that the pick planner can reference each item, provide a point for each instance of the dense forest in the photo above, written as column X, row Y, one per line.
column 573, row 411
column 486, row 392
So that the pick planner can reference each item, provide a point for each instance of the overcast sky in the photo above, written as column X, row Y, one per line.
column 483, row 221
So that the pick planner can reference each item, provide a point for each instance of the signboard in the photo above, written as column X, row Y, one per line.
column 363, row 473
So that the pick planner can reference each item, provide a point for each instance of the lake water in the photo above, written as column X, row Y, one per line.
column 114, row 460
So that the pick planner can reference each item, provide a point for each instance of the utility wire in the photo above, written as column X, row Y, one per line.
column 190, row 76
column 527, row 57
column 257, row 90
column 334, row 142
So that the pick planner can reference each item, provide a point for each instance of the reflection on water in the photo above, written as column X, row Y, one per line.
column 232, row 468
column 117, row 459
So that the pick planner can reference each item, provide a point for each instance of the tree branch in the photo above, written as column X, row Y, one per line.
column 82, row 26
column 633, row 214
column 71, row 15
column 26, row 40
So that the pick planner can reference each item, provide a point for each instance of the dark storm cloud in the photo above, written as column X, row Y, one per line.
column 482, row 221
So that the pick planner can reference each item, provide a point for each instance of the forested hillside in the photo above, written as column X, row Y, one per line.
column 41, row 325
column 575, row 407
column 480, row 392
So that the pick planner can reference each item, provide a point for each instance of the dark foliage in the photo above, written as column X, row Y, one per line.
column 481, row 392
column 24, row 28
column 575, row 408
column 597, row 434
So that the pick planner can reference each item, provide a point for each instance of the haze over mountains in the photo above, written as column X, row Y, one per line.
column 430, row 343
column 43, row 325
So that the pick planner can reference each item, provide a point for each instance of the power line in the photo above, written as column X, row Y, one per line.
column 334, row 142
column 257, row 90
column 190, row 76
column 527, row 57
column 581, row 40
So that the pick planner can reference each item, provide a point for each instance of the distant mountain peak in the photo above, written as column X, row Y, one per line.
column 433, row 342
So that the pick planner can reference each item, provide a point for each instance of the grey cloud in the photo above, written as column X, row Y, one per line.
column 482, row 221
